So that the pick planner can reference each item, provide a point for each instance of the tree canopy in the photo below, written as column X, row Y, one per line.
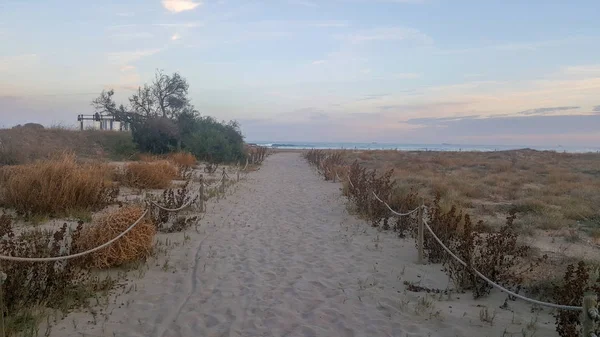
column 162, row 119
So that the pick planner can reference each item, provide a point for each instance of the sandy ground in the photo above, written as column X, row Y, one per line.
column 281, row 256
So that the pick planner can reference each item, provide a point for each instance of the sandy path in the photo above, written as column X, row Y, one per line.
column 281, row 256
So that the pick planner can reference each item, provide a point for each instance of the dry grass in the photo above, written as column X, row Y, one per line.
column 56, row 187
column 184, row 161
column 548, row 190
column 149, row 174
column 25, row 145
column 135, row 245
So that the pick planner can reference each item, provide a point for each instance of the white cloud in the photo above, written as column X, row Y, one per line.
column 590, row 70
column 389, row 34
column 175, row 37
column 405, row 76
column 304, row 3
column 125, row 14
column 177, row 6
column 180, row 25
column 330, row 24
column 18, row 62
column 127, row 68
column 126, row 57
column 317, row 62
column 132, row 35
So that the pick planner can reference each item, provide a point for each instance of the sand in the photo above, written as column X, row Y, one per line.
column 282, row 256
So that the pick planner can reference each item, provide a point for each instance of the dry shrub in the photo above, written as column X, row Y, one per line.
column 153, row 174
column 184, row 161
column 32, row 285
column 135, row 245
column 147, row 157
column 57, row 186
column 577, row 281
column 256, row 154
column 173, row 199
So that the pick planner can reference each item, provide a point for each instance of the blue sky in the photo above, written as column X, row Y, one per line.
column 421, row 71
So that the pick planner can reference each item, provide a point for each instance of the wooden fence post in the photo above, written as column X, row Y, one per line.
column 420, row 233
column 2, row 279
column 201, row 194
column 590, row 313
column 223, row 181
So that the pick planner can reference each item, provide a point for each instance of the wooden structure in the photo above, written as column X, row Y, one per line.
column 107, row 122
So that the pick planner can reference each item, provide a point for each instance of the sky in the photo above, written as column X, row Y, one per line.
column 404, row 71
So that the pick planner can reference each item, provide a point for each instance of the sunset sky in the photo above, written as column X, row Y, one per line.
column 407, row 71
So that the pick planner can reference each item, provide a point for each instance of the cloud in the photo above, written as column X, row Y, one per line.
column 18, row 62
column 388, row 34
column 512, row 47
column 126, row 57
column 125, row 14
column 425, row 107
column 317, row 62
column 405, row 76
column 192, row 24
column 178, row 6
column 175, row 37
column 303, row 3
column 526, row 125
column 588, row 70
column 127, row 68
column 132, row 36
column 330, row 24
column 545, row 111
column 441, row 121
column 372, row 97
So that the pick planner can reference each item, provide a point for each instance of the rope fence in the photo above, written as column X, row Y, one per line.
column 589, row 307
column 72, row 256
column 200, row 196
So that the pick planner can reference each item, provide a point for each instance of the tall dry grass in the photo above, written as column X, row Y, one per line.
column 156, row 174
column 25, row 144
column 548, row 190
column 56, row 187
column 184, row 161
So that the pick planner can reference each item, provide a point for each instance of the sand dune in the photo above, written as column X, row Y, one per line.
column 281, row 256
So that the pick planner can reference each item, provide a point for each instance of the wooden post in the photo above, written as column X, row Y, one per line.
column 420, row 234
column 2, row 279
column 223, row 182
column 238, row 175
column 201, row 194
column 590, row 301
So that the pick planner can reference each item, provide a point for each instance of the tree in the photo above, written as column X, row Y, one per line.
column 165, row 97
column 162, row 119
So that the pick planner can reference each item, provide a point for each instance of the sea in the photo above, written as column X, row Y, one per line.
column 423, row 147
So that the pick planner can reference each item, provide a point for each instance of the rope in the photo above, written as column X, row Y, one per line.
column 215, row 184
column 391, row 210
column 350, row 181
column 173, row 209
column 67, row 257
column 494, row 284
column 104, row 245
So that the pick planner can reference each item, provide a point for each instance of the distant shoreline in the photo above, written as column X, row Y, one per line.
column 301, row 146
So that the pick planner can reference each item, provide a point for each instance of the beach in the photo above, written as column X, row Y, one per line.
column 282, row 255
